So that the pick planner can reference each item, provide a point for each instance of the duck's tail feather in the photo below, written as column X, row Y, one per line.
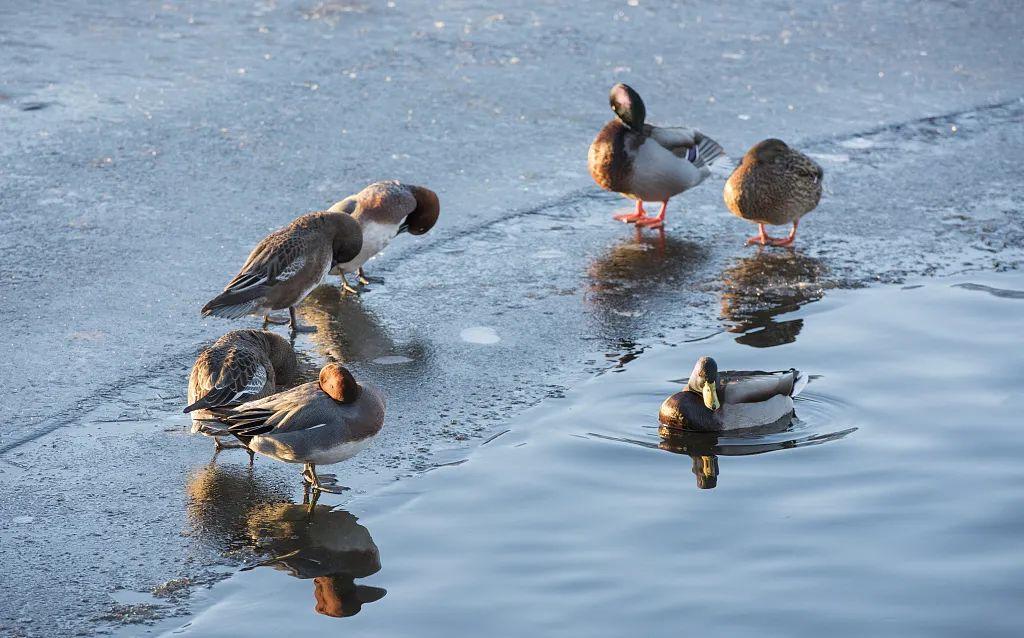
column 800, row 381
column 710, row 154
column 235, row 305
column 215, row 398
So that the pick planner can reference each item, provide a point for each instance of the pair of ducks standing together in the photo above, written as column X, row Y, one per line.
column 324, row 422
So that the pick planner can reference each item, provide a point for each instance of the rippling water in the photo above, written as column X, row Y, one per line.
column 889, row 506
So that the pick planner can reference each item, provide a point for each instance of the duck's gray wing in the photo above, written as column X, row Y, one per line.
column 754, row 386
column 689, row 144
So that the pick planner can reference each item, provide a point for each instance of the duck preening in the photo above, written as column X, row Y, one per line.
column 318, row 423
column 714, row 401
column 776, row 185
column 241, row 366
column 287, row 265
column 384, row 210
column 649, row 163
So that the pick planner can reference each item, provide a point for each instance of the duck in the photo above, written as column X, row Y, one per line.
column 323, row 422
column 287, row 265
column 776, row 185
column 716, row 402
column 385, row 210
column 240, row 366
column 648, row 163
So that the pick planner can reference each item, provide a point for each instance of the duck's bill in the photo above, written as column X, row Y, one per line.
column 711, row 396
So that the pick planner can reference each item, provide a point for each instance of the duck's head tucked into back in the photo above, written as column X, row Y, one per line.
column 339, row 384
column 628, row 106
column 424, row 216
column 765, row 151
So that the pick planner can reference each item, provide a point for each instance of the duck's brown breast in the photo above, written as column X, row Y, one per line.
column 609, row 160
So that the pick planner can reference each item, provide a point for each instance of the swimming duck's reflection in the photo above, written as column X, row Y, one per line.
column 347, row 332
column 637, row 269
column 704, row 448
column 320, row 543
column 765, row 285
column 220, row 498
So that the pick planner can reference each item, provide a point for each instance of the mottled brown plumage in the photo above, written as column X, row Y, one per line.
column 241, row 366
column 774, row 185
column 287, row 264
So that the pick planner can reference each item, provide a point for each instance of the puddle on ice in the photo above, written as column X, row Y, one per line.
column 480, row 334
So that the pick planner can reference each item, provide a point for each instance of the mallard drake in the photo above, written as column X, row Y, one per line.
column 774, row 184
column 241, row 366
column 287, row 265
column 385, row 210
column 713, row 401
column 648, row 163
column 319, row 423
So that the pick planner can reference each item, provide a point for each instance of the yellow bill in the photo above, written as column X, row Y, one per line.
column 711, row 396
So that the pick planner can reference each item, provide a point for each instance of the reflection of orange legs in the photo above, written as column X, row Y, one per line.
column 629, row 218
column 655, row 222
column 763, row 238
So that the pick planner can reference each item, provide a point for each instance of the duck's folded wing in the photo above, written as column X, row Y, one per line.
column 807, row 167
column 691, row 145
column 278, row 258
column 241, row 378
column 751, row 386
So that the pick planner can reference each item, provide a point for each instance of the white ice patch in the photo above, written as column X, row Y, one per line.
column 835, row 158
column 549, row 253
column 480, row 334
column 859, row 143
column 392, row 360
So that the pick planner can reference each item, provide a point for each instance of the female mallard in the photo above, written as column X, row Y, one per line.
column 385, row 210
column 648, row 163
column 319, row 423
column 775, row 185
column 713, row 402
column 241, row 366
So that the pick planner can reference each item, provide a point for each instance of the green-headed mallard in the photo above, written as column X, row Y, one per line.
column 648, row 163
column 774, row 184
column 287, row 265
column 318, row 423
column 384, row 210
column 714, row 401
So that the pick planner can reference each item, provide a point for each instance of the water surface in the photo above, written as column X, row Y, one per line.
column 890, row 505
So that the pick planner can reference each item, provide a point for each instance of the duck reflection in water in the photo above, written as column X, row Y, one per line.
column 347, row 332
column 704, row 448
column 321, row 543
column 758, row 288
column 636, row 274
column 220, row 500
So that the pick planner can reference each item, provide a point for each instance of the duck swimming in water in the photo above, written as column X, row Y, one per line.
column 649, row 163
column 716, row 401
column 774, row 184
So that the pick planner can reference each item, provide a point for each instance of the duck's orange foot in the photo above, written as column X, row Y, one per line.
column 651, row 222
column 630, row 218
column 760, row 240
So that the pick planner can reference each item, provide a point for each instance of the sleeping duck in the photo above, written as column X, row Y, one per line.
column 648, row 163
column 714, row 402
column 319, row 423
column 775, row 185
